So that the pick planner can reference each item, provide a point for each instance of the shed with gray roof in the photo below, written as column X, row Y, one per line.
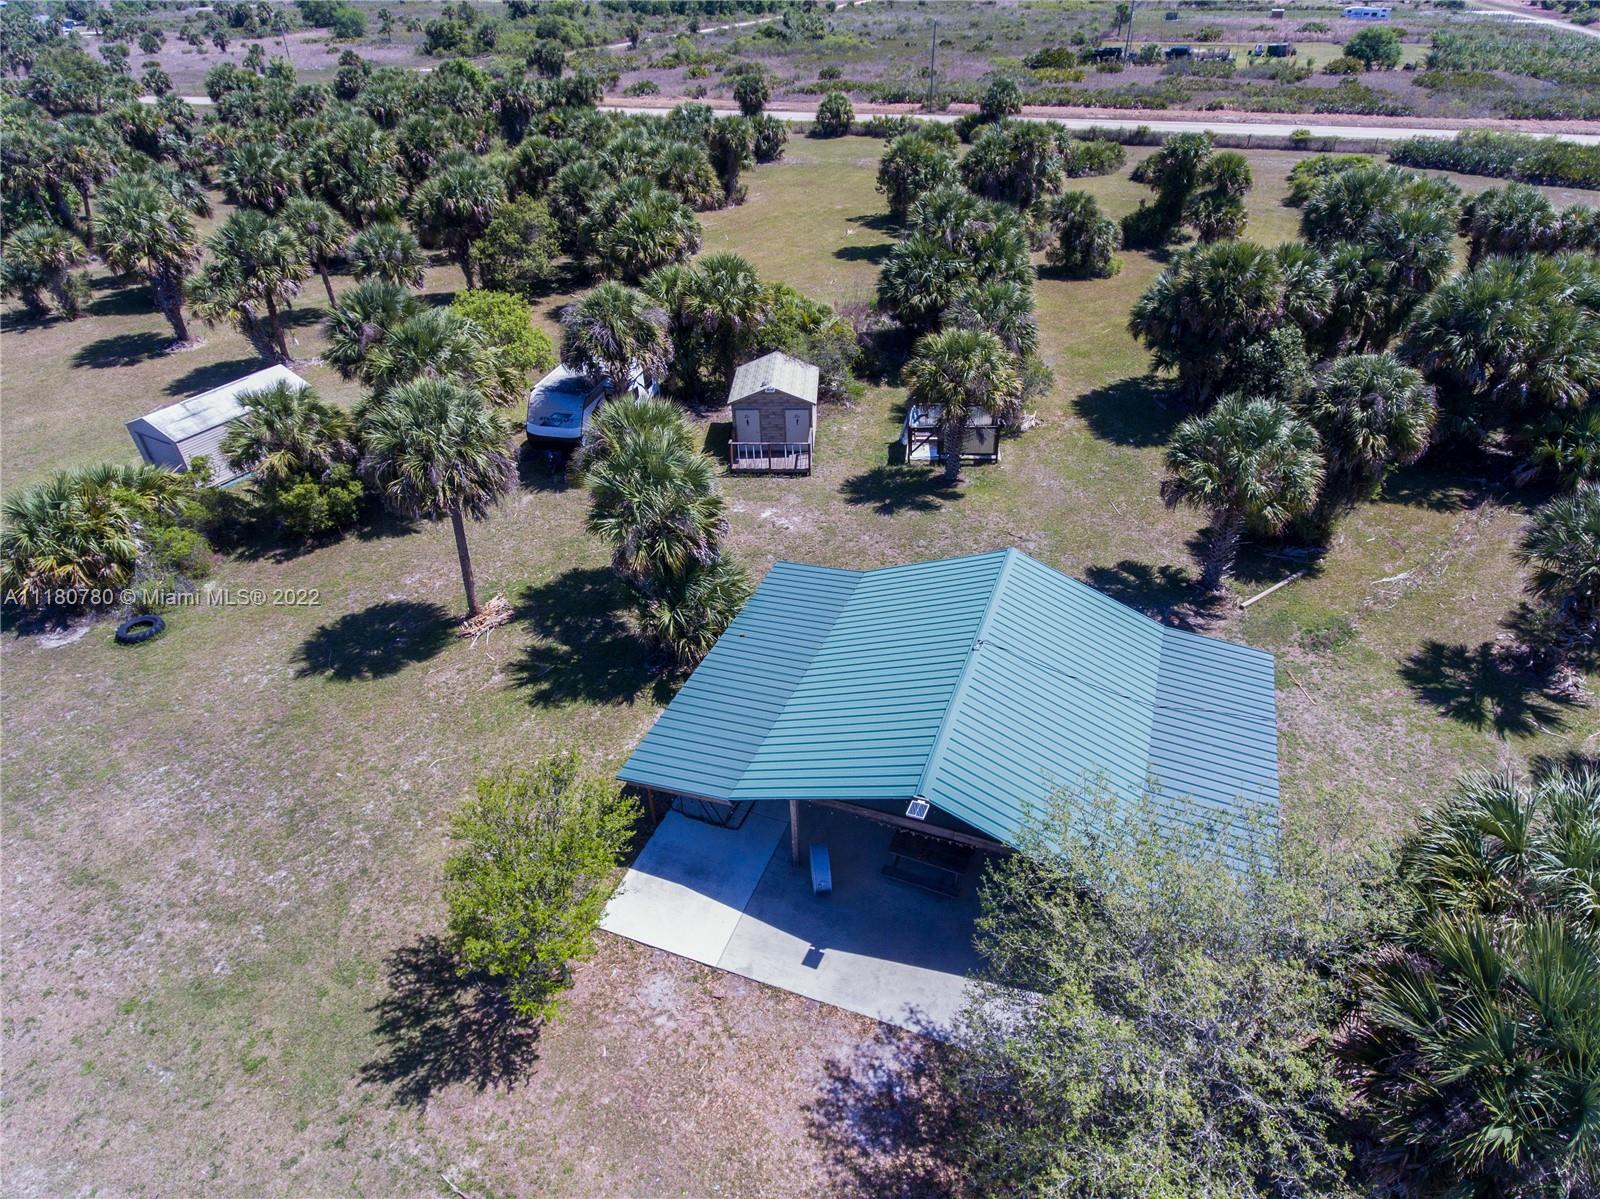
column 194, row 428
column 774, row 404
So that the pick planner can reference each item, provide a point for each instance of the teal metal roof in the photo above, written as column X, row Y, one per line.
column 980, row 684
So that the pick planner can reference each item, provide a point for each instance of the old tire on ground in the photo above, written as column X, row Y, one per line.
column 140, row 628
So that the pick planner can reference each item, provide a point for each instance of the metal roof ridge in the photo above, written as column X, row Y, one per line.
column 936, row 753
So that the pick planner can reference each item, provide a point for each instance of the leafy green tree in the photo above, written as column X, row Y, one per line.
column 835, row 116
column 387, row 251
column 507, row 322
column 751, row 92
column 259, row 174
column 455, row 206
column 1372, row 413
column 1562, row 545
column 35, row 265
column 433, row 448
column 1249, row 463
column 1139, row 971
column 142, row 230
column 82, row 530
column 612, row 329
column 963, row 374
column 361, row 318
column 1473, row 1038
column 518, row 249
column 1085, row 241
column 914, row 164
column 1374, row 46
column 321, row 231
column 256, row 266
column 536, row 854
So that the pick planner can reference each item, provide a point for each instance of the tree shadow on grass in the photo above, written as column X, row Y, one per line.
column 1472, row 685
column 1137, row 411
column 439, row 1029
column 375, row 642
column 883, row 1121
column 1167, row 593
column 587, row 650
column 131, row 300
column 215, row 374
column 891, row 489
column 874, row 254
column 882, row 222
column 122, row 349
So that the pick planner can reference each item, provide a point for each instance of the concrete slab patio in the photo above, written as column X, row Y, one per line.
column 731, row 898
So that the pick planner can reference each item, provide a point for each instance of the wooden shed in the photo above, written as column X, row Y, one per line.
column 774, row 405
column 194, row 428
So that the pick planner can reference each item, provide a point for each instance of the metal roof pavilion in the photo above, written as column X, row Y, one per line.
column 981, row 684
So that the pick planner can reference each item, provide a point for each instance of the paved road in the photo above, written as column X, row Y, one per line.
column 1381, row 133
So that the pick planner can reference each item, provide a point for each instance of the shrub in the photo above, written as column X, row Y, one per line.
column 1374, row 46
column 1343, row 65
column 1094, row 157
column 178, row 550
column 1504, row 156
column 507, row 323
column 1001, row 99
column 642, row 87
column 1310, row 173
column 529, row 879
column 309, row 507
column 835, row 115
column 770, row 137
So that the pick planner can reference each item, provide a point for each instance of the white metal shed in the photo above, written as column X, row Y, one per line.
column 179, row 433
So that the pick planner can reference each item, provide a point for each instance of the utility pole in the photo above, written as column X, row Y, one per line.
column 933, row 51
column 1127, row 43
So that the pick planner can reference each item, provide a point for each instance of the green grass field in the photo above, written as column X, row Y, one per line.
column 223, row 848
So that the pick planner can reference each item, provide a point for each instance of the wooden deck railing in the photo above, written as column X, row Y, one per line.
column 792, row 457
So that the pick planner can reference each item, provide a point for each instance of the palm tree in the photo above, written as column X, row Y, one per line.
column 1246, row 462
column 361, row 318
column 920, row 279
column 686, row 172
column 323, row 234
column 259, row 174
column 455, row 206
column 387, row 251
column 962, row 374
column 915, row 164
column 84, row 154
column 1085, row 241
column 255, row 260
column 656, row 506
column 1515, row 219
column 1001, row 307
column 687, row 615
column 288, row 432
column 647, row 236
column 1562, row 545
column 633, row 416
column 140, row 229
column 81, row 530
column 729, row 303
column 611, row 330
column 35, row 261
column 440, row 343
column 433, row 448
column 1373, row 413
column 1474, row 1035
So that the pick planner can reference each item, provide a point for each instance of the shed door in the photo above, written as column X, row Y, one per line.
column 747, row 424
column 797, row 425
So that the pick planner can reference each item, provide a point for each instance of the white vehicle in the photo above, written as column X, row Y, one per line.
column 562, row 404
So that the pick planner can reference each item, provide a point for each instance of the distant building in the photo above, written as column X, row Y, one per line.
column 1366, row 12
column 194, row 428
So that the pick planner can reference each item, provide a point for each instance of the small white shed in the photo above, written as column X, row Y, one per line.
column 194, row 428
column 774, row 405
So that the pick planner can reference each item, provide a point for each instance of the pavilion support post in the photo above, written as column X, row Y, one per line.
column 650, row 798
column 794, row 831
